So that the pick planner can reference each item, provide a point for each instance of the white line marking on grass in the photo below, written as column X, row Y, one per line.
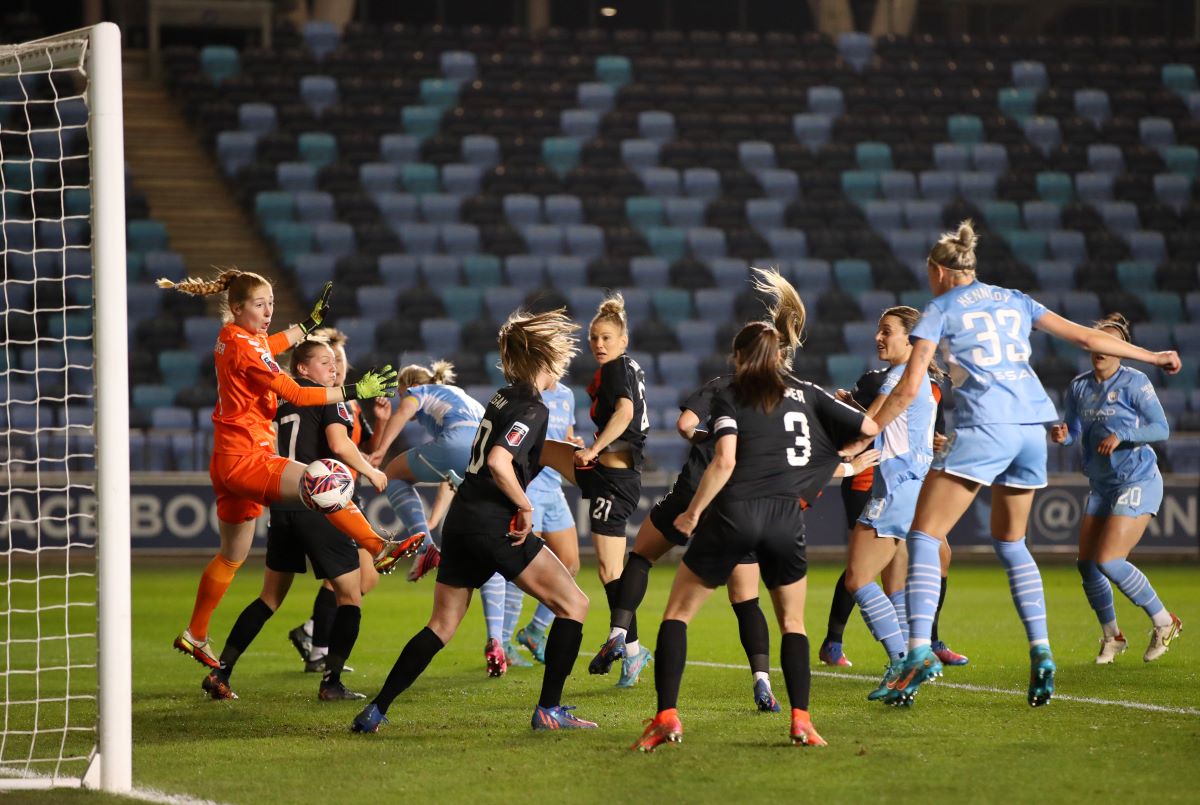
column 154, row 795
column 941, row 683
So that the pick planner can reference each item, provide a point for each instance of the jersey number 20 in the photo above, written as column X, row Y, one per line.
column 796, row 421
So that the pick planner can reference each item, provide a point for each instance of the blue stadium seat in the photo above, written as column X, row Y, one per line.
column 696, row 337
column 379, row 177
column 501, row 301
column 420, row 178
column 1121, row 217
column 644, row 211
column 1094, row 188
column 1147, row 245
column 787, row 243
column 650, row 272
column 684, row 212
column 313, row 271
column 317, row 148
column 522, row 209
column 918, row 298
column 482, row 150
column 680, row 370
column 1154, row 336
column 418, row 238
column 856, row 48
column 397, row 208
column 989, row 158
column 814, row 130
column 399, row 270
column 438, row 93
column 1027, row 247
column 706, row 243
column 460, row 239
column 859, row 337
column 563, row 209
column 319, row 92
column 1081, row 305
column 296, row 177
column 656, row 126
column 873, row 156
column 377, row 301
column 1173, row 190
column 811, row 277
column 543, row 239
column 702, row 183
column 462, row 304
column 764, row 214
column 729, row 272
column 219, row 62
column 334, row 238
column 526, row 272
column 637, row 305
column 756, row 155
column 582, row 301
column 940, row 186
column 1105, row 158
column 582, row 124
column 1156, row 132
column 596, row 96
column 585, row 240
column 661, row 182
column 976, row 186
column 908, row 246
column 439, row 271
column 922, row 214
column 235, row 150
column 1055, row 275
column 1068, row 246
column 884, row 215
column 462, row 179
column 873, row 303
column 825, row 100
column 314, row 207
column 458, row 65
column 1043, row 133
column 1163, row 307
column 714, row 304
column 1041, row 216
column 440, row 208
column 779, row 183
column 953, row 157
column 564, row 271
column 320, row 37
column 400, row 148
column 164, row 264
column 844, row 370
column 179, row 369
column 1092, row 104
column 1016, row 102
column 638, row 154
column 441, row 336
column 1030, row 75
column 258, row 118
column 143, row 235
column 200, row 333
column 1187, row 341
column 666, row 451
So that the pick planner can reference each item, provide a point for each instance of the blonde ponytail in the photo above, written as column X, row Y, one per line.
column 786, row 308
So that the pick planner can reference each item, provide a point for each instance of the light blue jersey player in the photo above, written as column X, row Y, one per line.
column 552, row 521
column 1113, row 412
column 999, row 440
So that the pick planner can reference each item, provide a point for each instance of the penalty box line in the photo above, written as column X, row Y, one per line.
column 941, row 683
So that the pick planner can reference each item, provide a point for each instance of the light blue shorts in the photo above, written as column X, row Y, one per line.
column 892, row 516
column 550, row 511
column 1007, row 455
column 450, row 451
column 1130, row 499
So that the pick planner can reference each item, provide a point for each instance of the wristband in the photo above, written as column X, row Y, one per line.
column 530, row 509
column 848, row 468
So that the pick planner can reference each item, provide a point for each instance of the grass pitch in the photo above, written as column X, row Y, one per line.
column 459, row 736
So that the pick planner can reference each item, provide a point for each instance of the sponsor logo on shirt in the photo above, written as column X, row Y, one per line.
column 343, row 412
column 516, row 434
column 270, row 362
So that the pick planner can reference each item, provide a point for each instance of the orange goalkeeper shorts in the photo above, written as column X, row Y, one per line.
column 244, row 483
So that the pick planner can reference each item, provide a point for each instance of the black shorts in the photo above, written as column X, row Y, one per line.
column 853, row 502
column 772, row 528
column 469, row 558
column 668, row 507
column 614, row 496
column 293, row 535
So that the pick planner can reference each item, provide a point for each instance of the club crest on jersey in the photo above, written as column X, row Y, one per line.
column 343, row 412
column 516, row 434
column 1112, row 396
column 270, row 362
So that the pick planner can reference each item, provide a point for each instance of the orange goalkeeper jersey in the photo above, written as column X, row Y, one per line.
column 248, row 380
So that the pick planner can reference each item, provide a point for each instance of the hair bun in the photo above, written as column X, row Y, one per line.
column 965, row 237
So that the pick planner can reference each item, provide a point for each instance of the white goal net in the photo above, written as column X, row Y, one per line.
column 63, row 416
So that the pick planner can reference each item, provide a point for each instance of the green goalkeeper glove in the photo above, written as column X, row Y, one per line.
column 381, row 383
column 319, row 312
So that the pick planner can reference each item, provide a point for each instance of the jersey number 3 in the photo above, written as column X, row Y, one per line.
column 796, row 421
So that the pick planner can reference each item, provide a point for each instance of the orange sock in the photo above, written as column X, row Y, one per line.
column 351, row 522
column 213, row 584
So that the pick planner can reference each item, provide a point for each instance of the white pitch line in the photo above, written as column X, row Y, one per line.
column 154, row 795
column 941, row 683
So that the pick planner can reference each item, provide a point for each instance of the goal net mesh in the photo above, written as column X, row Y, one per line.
column 48, row 646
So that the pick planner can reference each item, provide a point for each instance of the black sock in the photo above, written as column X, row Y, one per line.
column 345, row 632
column 412, row 662
column 756, row 637
column 933, row 635
column 670, row 658
column 324, row 611
column 793, row 655
column 562, row 649
column 840, row 609
column 245, row 629
column 634, row 581
column 612, row 591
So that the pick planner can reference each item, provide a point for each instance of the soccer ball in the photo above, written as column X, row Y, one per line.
column 327, row 486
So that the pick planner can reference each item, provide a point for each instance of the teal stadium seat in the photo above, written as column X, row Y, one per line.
column 873, row 156
column 1179, row 78
column 464, row 305
column 482, row 270
column 616, row 71
column 671, row 305
column 1055, row 186
column 561, row 154
column 644, row 211
column 965, row 129
column 274, row 205
column 420, row 177
column 179, row 369
column 146, row 235
column 219, row 62
column 1001, row 216
column 317, row 148
column 1017, row 103
column 1027, row 247
column 147, row 397
column 1182, row 159
column 292, row 239
column 667, row 242
column 1136, row 276
column 1163, row 307
column 422, row 122
column 854, row 276
column 439, row 93
column 845, row 370
column 860, row 186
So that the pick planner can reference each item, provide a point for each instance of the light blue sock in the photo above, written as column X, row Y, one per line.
column 514, row 597
column 897, row 599
column 1134, row 584
column 407, row 505
column 880, row 616
column 1098, row 591
column 1025, row 583
column 542, row 618
column 492, row 595
column 924, row 586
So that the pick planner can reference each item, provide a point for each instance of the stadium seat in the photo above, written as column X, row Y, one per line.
column 656, row 126
column 146, row 235
column 421, row 122
column 219, row 62
column 258, row 118
column 398, row 208
column 756, row 155
column 1094, row 188
column 584, row 240
column 438, row 93
column 525, row 272
column 596, row 97
column 1156, row 132
column 401, row 148
column 462, row 179
column 274, row 205
column 458, row 65
column 1041, row 216
column 1182, row 159
column 696, row 337
column 860, row 186
column 1016, row 102
column 728, row 272
column 702, row 183
column 644, row 211
column 563, row 209
column 1043, row 133
column 1055, row 275
column 296, row 177
column 787, row 243
column 482, row 150
column 764, row 214
column 706, row 243
column 826, row 100
column 844, row 370
column 637, row 154
column 1055, row 187
column 814, row 130
column 460, row 239
column 317, row 148
column 856, row 48
column 501, row 301
column 977, row 187
column 952, row 157
column 667, row 242
column 314, row 208
column 1173, row 189
column 1105, row 158
column 684, row 212
column 939, row 186
column 714, row 304
column 441, row 336
column 1002, row 216
column 377, row 301
column 650, row 273
column 681, row 370
column 481, row 270
column 964, row 130
column 320, row 37
column 319, row 92
column 873, row 156
column 1092, row 105
column 853, row 276
column 1162, row 307
column 235, row 150
column 440, row 208
column 660, row 182
column 883, row 215
column 462, row 304
column 615, row 71
column 671, row 305
column 565, row 271
column 1069, row 246
column 779, row 183
column 1149, row 246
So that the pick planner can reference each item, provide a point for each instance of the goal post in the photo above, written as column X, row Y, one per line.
column 65, row 602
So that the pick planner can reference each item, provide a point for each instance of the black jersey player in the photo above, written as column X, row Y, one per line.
column 776, row 445
column 487, row 529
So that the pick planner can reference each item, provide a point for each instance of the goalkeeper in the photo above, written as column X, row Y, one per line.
column 246, row 472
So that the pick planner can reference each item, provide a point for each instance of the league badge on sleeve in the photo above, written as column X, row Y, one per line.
column 516, row 434
column 343, row 412
column 270, row 362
